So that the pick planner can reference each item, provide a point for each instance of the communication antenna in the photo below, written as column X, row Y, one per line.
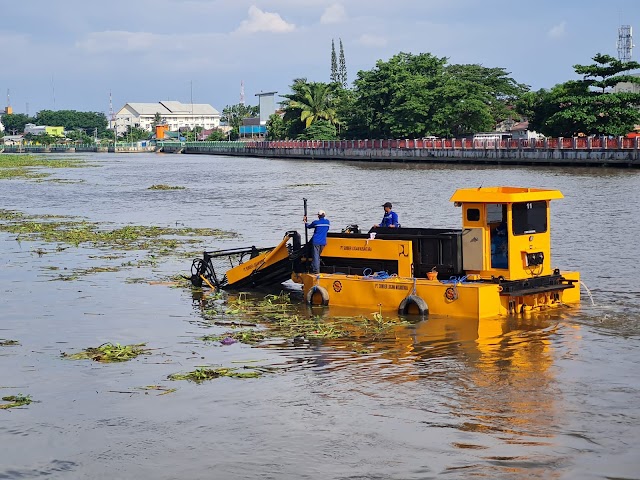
column 8, row 108
column 625, row 43
column 241, row 92
column 112, row 117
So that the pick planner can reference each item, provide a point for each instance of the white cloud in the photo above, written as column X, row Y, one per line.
column 368, row 40
column 260, row 21
column 558, row 31
column 334, row 14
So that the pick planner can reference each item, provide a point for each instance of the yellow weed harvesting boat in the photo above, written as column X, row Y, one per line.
column 499, row 263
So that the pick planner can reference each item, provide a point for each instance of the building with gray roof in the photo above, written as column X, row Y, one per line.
column 175, row 114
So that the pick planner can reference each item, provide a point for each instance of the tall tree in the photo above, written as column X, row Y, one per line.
column 342, row 73
column 588, row 106
column 234, row 114
column 14, row 122
column 310, row 102
column 398, row 98
column 276, row 129
column 412, row 96
column 157, row 120
column 72, row 119
column 333, row 77
column 492, row 86
column 320, row 130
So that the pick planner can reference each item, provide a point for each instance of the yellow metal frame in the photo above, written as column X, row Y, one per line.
column 263, row 260
column 394, row 250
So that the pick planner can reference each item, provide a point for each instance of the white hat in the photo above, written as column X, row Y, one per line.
column 321, row 213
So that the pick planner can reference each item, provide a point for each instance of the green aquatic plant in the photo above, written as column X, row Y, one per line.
column 277, row 314
column 110, row 352
column 163, row 186
column 85, row 271
column 8, row 343
column 201, row 374
column 22, row 166
column 246, row 335
column 76, row 232
column 15, row 401
column 158, row 388
column 157, row 241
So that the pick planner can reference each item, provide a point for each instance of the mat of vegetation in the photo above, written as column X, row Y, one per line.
column 109, row 352
column 15, row 401
column 163, row 186
column 29, row 166
column 157, row 241
column 278, row 317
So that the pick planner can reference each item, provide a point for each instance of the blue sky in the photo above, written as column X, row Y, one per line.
column 69, row 54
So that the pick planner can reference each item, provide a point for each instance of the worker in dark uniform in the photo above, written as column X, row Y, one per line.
column 319, row 239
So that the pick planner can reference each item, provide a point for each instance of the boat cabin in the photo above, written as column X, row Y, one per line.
column 505, row 231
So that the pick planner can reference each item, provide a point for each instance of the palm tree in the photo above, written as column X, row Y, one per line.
column 310, row 102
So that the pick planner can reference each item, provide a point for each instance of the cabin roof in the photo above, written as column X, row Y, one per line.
column 504, row 195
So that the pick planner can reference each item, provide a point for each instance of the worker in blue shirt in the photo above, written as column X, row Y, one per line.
column 390, row 218
column 319, row 239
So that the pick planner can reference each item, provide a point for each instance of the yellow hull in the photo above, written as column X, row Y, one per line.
column 472, row 299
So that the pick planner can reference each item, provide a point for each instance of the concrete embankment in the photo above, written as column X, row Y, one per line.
column 596, row 151
column 583, row 152
column 119, row 148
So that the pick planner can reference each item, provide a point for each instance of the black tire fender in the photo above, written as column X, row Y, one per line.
column 413, row 300
column 313, row 293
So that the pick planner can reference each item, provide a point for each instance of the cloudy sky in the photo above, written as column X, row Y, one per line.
column 69, row 54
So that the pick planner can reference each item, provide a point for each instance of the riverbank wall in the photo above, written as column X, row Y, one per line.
column 619, row 152
column 607, row 152
column 118, row 148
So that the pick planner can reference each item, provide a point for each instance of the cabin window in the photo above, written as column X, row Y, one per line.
column 529, row 217
column 473, row 215
column 499, row 238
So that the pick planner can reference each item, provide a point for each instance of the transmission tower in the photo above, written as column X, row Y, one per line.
column 625, row 43
column 241, row 92
column 112, row 117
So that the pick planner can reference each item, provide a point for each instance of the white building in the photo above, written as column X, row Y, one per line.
column 34, row 129
column 627, row 87
column 174, row 114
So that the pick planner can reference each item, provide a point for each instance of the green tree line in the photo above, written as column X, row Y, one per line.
column 414, row 96
column 71, row 120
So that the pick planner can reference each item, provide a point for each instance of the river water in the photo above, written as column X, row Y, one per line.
column 554, row 396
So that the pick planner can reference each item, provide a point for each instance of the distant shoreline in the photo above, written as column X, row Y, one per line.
column 593, row 152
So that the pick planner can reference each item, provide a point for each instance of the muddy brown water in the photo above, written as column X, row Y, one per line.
column 549, row 396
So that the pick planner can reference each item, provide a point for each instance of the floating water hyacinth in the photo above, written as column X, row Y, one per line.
column 16, row 401
column 228, row 341
column 110, row 352
column 204, row 373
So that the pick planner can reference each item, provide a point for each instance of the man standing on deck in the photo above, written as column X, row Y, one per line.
column 319, row 239
column 390, row 218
